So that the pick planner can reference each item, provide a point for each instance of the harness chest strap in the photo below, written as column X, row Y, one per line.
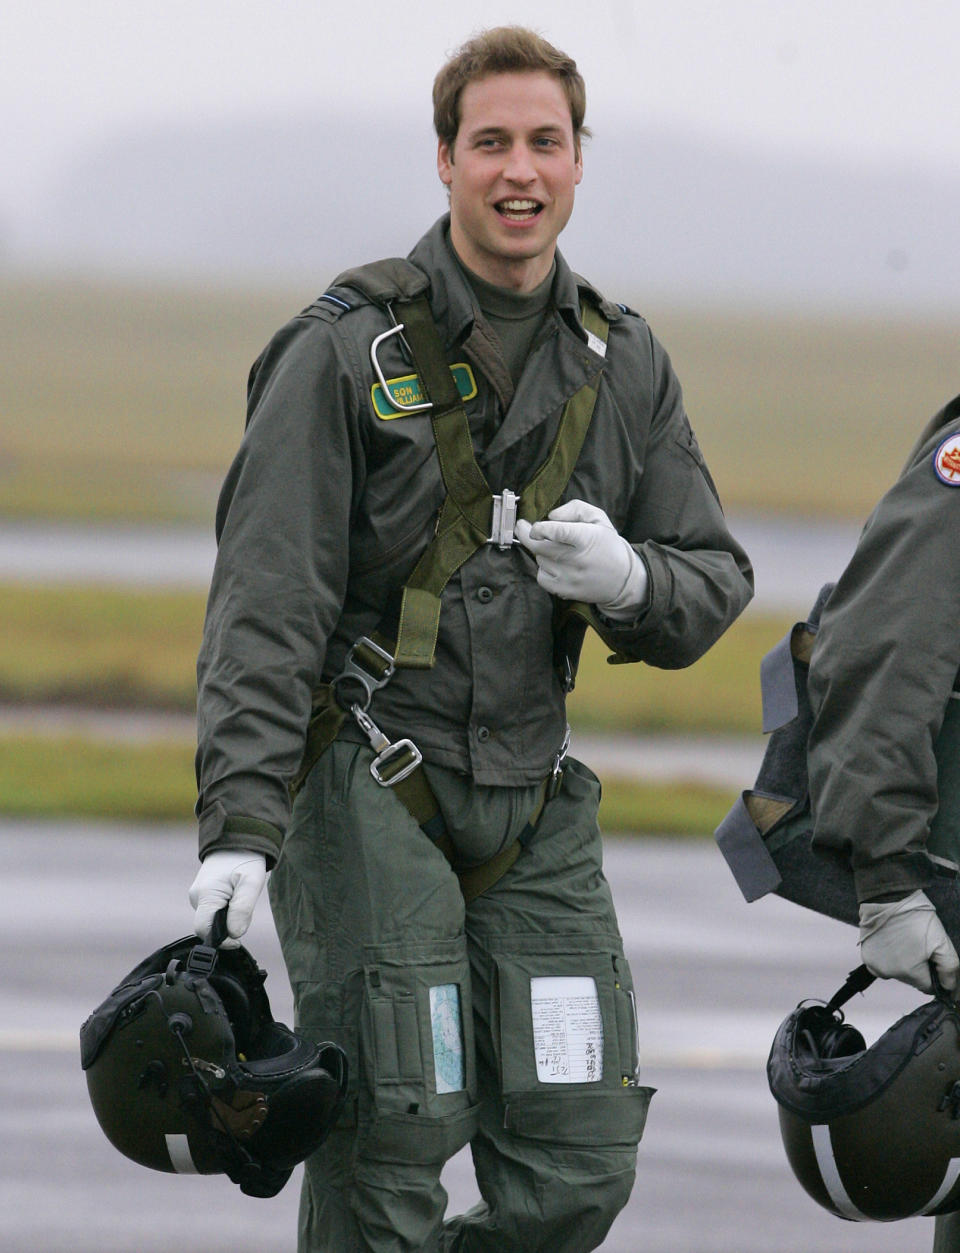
column 465, row 520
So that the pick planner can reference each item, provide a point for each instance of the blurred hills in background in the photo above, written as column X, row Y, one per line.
column 669, row 215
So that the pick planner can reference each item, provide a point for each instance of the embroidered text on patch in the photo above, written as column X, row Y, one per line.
column 407, row 391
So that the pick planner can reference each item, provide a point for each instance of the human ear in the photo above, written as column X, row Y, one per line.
column 445, row 162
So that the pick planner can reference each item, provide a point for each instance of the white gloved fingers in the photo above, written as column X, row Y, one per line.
column 581, row 556
column 245, row 896
column 546, row 536
column 943, row 954
column 550, row 577
column 227, row 877
column 581, row 561
column 580, row 511
column 899, row 939
column 521, row 531
column 580, row 536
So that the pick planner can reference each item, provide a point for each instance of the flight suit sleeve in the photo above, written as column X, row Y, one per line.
column 885, row 660
column 283, row 522
column 700, row 578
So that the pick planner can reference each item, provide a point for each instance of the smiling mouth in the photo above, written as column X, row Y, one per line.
column 519, row 210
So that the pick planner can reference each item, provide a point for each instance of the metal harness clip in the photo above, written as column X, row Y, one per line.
column 556, row 774
column 504, row 518
column 355, row 672
column 400, row 406
column 387, row 752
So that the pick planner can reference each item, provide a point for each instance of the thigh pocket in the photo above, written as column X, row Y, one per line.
column 418, row 1083
column 601, row 1119
column 566, row 1031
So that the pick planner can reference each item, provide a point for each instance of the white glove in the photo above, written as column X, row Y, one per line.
column 580, row 556
column 231, row 877
column 899, row 939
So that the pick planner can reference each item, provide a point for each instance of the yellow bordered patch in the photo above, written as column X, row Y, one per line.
column 407, row 391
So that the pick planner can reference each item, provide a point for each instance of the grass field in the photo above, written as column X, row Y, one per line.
column 127, row 401
column 72, row 777
column 120, row 648
column 105, row 647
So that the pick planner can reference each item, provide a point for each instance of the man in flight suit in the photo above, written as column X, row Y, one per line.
column 884, row 671
column 469, row 962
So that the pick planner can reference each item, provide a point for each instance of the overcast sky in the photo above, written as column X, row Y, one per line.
column 872, row 79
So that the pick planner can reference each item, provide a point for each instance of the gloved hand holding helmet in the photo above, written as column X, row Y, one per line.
column 900, row 939
column 581, row 556
column 232, row 877
column 189, row 1072
column 872, row 1134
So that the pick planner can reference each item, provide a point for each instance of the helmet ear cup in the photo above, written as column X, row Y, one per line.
column 823, row 1036
column 238, row 1008
column 840, row 1041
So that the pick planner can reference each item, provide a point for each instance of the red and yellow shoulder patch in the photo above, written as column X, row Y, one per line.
column 946, row 461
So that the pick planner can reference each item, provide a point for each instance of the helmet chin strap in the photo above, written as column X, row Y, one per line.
column 857, row 981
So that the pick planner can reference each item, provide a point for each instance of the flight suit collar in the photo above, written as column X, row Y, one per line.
column 453, row 304
column 559, row 364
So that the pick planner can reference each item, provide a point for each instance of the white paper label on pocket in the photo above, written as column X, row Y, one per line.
column 567, row 1029
column 447, row 1038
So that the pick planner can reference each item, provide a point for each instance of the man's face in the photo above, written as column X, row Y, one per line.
column 511, row 171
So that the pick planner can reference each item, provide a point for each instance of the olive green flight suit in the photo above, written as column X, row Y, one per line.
column 372, row 919
column 508, row 1023
column 886, row 661
column 886, row 658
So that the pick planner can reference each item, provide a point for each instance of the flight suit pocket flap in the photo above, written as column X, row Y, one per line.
column 586, row 1119
column 420, row 1139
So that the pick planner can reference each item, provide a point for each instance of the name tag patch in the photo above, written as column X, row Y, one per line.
column 407, row 390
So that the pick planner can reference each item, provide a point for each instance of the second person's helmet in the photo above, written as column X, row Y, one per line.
column 871, row 1133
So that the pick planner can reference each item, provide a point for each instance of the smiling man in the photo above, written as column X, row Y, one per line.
column 454, row 465
column 512, row 168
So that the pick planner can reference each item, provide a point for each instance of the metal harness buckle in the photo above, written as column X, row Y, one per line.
column 386, row 751
column 504, row 518
column 353, row 670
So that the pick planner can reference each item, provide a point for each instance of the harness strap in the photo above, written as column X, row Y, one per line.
column 464, row 525
column 465, row 519
column 416, row 794
column 857, row 981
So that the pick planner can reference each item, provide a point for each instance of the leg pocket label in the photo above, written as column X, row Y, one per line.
column 446, row 1022
column 567, row 1028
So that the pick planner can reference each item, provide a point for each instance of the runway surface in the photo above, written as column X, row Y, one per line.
column 714, row 976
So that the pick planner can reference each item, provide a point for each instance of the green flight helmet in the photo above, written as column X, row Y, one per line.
column 189, row 1073
column 872, row 1134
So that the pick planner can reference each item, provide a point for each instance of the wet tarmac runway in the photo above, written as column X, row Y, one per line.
column 82, row 904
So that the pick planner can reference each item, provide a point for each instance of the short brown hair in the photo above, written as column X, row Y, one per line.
column 504, row 50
